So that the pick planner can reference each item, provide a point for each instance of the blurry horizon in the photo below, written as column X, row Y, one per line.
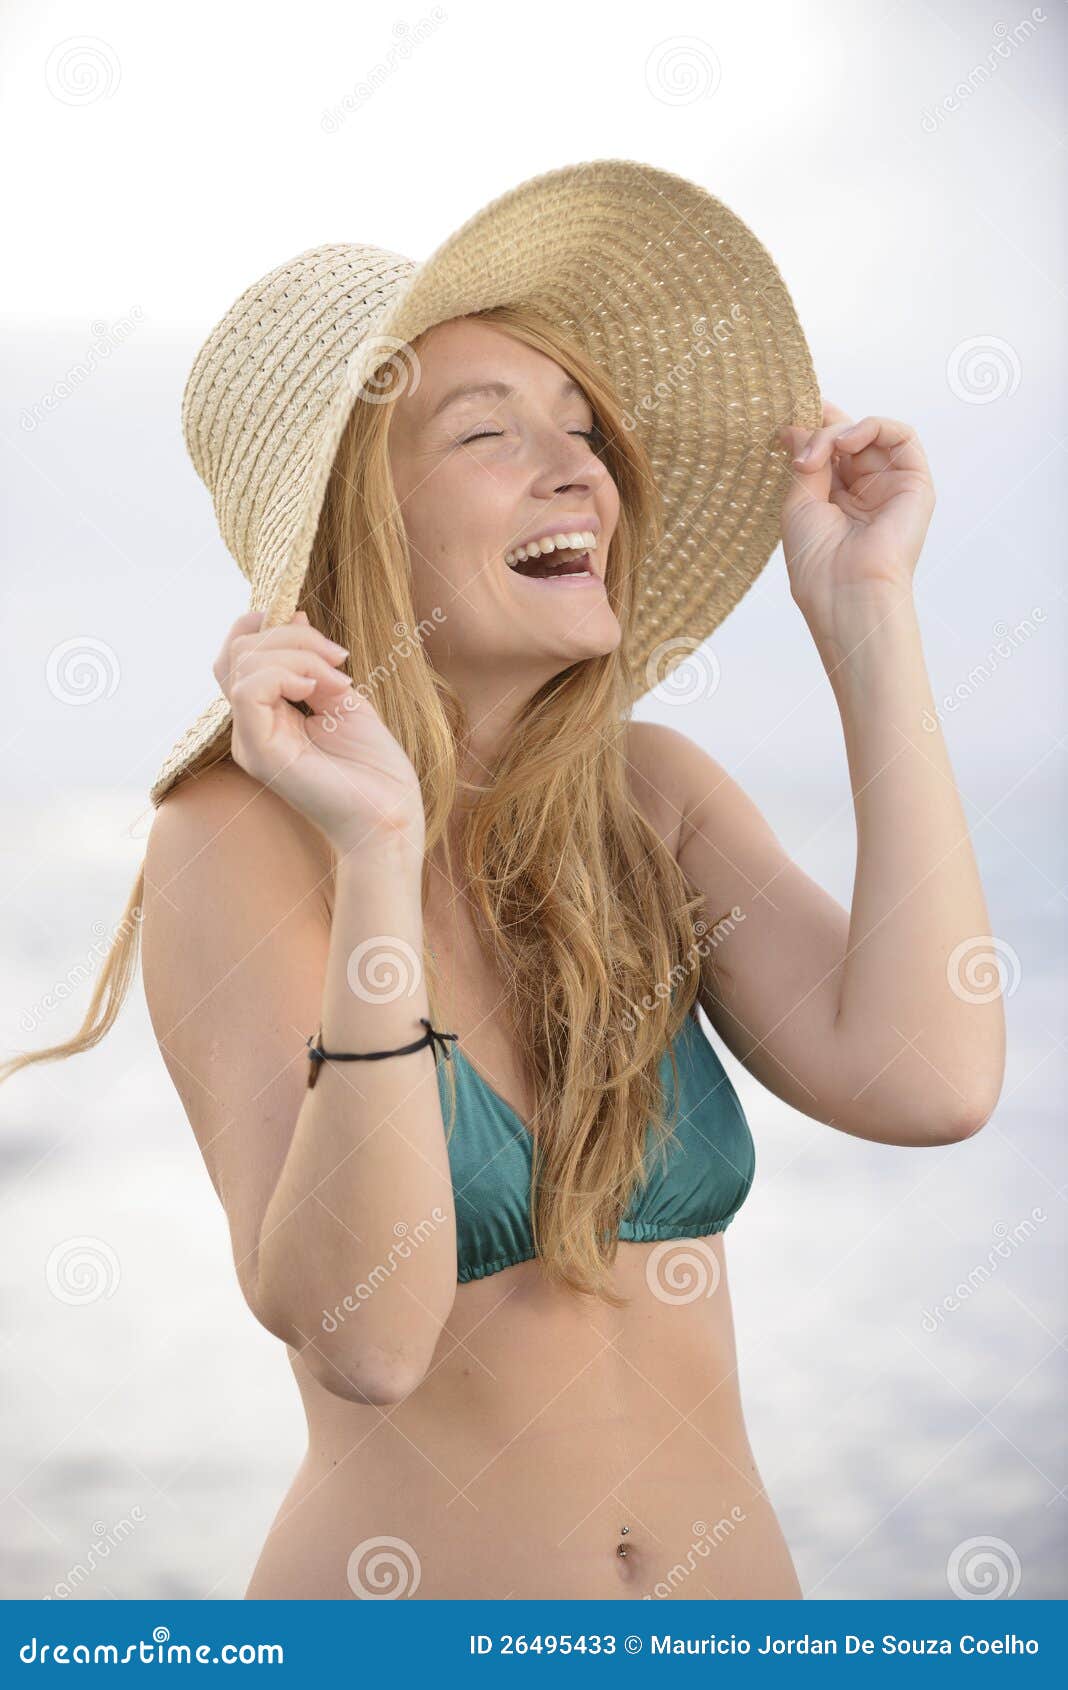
column 901, row 163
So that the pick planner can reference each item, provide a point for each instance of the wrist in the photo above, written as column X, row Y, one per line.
column 396, row 848
column 861, row 620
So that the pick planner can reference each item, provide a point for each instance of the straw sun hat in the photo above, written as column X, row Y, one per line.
column 665, row 288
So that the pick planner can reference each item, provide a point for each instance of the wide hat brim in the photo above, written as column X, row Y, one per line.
column 667, row 290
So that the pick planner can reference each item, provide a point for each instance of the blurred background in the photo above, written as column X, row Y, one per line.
column 899, row 1312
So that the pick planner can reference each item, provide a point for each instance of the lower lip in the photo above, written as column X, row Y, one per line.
column 587, row 576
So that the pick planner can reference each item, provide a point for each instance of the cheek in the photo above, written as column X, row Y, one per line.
column 462, row 517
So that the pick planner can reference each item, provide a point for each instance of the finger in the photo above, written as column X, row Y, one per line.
column 813, row 452
column 247, row 623
column 834, row 414
column 796, row 439
column 306, row 663
column 255, row 698
column 288, row 638
column 883, row 434
column 248, row 619
column 291, row 636
column 254, row 701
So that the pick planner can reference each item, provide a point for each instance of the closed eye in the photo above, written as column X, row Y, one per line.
column 489, row 434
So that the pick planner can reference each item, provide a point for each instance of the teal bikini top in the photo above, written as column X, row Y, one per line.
column 711, row 1161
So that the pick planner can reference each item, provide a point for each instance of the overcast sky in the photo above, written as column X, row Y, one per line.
column 904, row 164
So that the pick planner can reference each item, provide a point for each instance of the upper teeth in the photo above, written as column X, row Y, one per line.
column 552, row 543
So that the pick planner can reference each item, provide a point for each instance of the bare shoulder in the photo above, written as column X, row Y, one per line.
column 671, row 775
column 235, row 941
column 227, row 830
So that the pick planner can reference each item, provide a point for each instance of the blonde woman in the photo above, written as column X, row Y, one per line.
column 427, row 915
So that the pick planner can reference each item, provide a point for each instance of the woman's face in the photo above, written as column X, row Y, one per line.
column 478, row 475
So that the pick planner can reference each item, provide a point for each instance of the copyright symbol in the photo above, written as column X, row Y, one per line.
column 633, row 1645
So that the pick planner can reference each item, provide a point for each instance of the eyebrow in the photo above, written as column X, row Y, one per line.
column 499, row 390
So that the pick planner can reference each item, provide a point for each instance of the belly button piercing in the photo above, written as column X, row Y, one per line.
column 621, row 1548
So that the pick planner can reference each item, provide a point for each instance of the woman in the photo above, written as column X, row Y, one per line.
column 494, row 1248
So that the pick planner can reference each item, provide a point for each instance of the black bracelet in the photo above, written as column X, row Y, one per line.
column 318, row 1055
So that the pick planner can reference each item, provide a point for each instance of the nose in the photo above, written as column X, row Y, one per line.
column 569, row 461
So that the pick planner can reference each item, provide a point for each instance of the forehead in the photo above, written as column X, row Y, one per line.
column 464, row 363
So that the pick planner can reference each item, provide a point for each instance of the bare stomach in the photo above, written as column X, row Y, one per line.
column 557, row 1448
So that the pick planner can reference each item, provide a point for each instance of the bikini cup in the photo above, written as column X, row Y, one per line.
column 709, row 1170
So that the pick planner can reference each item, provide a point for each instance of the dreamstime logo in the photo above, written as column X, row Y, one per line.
column 382, row 368
column 682, row 1270
column 983, row 369
column 682, row 670
column 407, row 38
column 680, row 374
column 82, row 670
column 81, row 70
column 974, row 969
column 980, row 74
column 408, row 1241
column 408, row 642
column 665, row 988
column 682, row 69
column 705, row 1538
column 384, row 968
column 983, row 1568
column 82, row 1270
column 105, row 1539
column 1007, row 1240
column 381, row 1569
column 1008, row 641
column 80, row 972
column 107, row 337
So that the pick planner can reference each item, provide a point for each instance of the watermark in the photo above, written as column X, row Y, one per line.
column 105, row 1540
column 75, row 977
column 107, row 337
column 705, row 1539
column 682, row 670
column 382, row 1569
column 682, row 69
column 383, row 968
column 1008, row 1239
column 983, row 369
column 682, row 1270
column 159, row 1651
column 82, row 1270
column 703, row 947
column 681, row 373
column 1007, row 642
column 408, row 1241
column 983, row 968
column 407, row 38
column 983, row 1568
column 82, row 70
column 408, row 642
column 1007, row 41
column 382, row 368
column 82, row 670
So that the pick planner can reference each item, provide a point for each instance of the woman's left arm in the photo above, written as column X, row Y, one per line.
column 896, row 1026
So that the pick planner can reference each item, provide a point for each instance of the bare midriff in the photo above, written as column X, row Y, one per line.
column 556, row 1448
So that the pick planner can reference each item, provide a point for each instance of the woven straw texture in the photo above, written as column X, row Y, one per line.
column 667, row 290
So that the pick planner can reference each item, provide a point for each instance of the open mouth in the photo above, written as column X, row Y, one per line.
column 554, row 566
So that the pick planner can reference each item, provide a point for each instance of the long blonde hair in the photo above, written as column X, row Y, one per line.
column 582, row 906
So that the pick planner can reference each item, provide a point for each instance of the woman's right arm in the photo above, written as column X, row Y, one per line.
column 323, row 1187
column 339, row 1196
column 357, row 1251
